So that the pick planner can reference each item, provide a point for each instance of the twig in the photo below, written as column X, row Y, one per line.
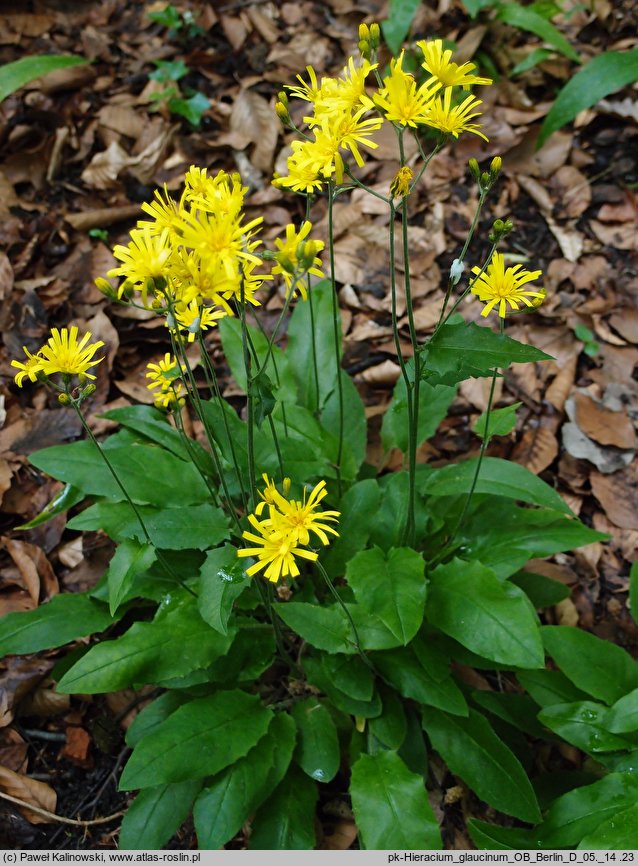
column 53, row 817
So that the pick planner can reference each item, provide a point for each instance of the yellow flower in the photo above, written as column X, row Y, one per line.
column 171, row 399
column 400, row 186
column 345, row 129
column 498, row 285
column 285, row 533
column 63, row 354
column 439, row 64
column 147, row 257
column 453, row 119
column 308, row 92
column 400, row 98
column 163, row 374
column 165, row 212
column 195, row 318
column 31, row 368
column 296, row 258
column 275, row 553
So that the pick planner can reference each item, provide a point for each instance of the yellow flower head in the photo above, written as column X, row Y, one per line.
column 400, row 186
column 145, row 258
column 453, row 120
column 503, row 286
column 275, row 552
column 296, row 258
column 285, row 533
column 440, row 66
column 171, row 399
column 63, row 354
column 30, row 368
column 164, row 374
column 195, row 318
column 400, row 98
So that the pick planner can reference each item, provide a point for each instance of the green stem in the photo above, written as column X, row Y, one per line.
column 250, row 420
column 191, row 453
column 340, row 601
column 336, row 332
column 313, row 336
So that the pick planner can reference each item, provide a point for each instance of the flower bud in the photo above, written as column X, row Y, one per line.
column 364, row 49
column 282, row 113
column 485, row 180
column 64, row 399
column 285, row 263
column 400, row 186
column 90, row 389
column 375, row 36
column 105, row 287
column 495, row 167
column 500, row 229
column 474, row 169
column 364, row 32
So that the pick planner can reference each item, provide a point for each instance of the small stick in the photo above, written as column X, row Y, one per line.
column 53, row 817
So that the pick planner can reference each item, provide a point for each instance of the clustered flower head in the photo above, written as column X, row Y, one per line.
column 165, row 376
column 342, row 118
column 196, row 258
column 286, row 531
column 501, row 286
column 62, row 353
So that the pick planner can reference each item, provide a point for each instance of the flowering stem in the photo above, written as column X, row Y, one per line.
column 250, row 421
column 276, row 372
column 211, row 378
column 355, row 633
column 313, row 336
column 160, row 556
column 466, row 245
column 336, row 330
column 191, row 453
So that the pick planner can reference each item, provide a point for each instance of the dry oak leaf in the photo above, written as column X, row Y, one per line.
column 537, row 449
column 35, row 569
column 31, row 791
column 618, row 495
column 255, row 119
column 603, row 425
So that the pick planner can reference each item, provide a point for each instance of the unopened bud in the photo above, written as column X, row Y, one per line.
column 364, row 33
column 282, row 113
column 90, row 389
column 105, row 287
column 285, row 263
column 375, row 36
column 474, row 169
column 400, row 186
column 364, row 49
column 307, row 253
column 64, row 399
column 495, row 167
column 485, row 180
column 500, row 229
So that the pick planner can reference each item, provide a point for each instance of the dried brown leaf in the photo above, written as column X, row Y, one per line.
column 255, row 119
column 618, row 495
column 31, row 791
column 537, row 449
column 603, row 425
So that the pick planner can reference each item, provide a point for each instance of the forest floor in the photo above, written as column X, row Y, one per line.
column 81, row 148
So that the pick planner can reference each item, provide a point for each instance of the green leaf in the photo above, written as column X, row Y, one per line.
column 603, row 74
column 373, row 634
column 397, row 25
column 583, row 724
column 222, row 580
column 173, row 645
column 549, row 687
column 356, row 507
column 633, row 591
column 199, row 739
column 287, row 819
column 169, row 70
column 387, row 524
column 15, row 75
column 391, row 586
column 515, row 709
column 351, row 675
column 278, row 369
column 59, row 621
column 156, row 814
column 623, row 716
column 497, row 478
column 228, row 801
column 154, row 714
column 311, row 329
column 474, row 752
column 598, row 667
column 325, row 627
column 578, row 813
column 251, row 654
column 355, row 425
column 154, row 425
column 536, row 56
column 390, row 805
column 317, row 751
column 152, row 475
column 493, row 619
column 496, row 838
column 320, row 672
column 390, row 727
column 434, row 401
column 527, row 19
column 618, row 832
column 501, row 422
column 462, row 350
column 542, row 591
column 191, row 108
column 183, row 528
column 61, row 502
column 424, row 678
column 130, row 559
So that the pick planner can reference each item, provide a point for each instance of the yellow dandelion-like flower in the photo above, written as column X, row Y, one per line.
column 453, row 120
column 308, row 92
column 171, row 399
column 195, row 318
column 163, row 210
column 163, row 374
column 267, row 494
column 503, row 286
column 63, row 354
column 400, row 186
column 297, row 519
column 440, row 66
column 275, row 552
column 296, row 258
column 146, row 258
column 400, row 98
column 31, row 367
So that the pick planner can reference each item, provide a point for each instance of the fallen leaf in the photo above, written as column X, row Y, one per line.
column 537, row 449
column 35, row 569
column 256, row 120
column 31, row 791
column 618, row 495
column 604, row 426
column 76, row 748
